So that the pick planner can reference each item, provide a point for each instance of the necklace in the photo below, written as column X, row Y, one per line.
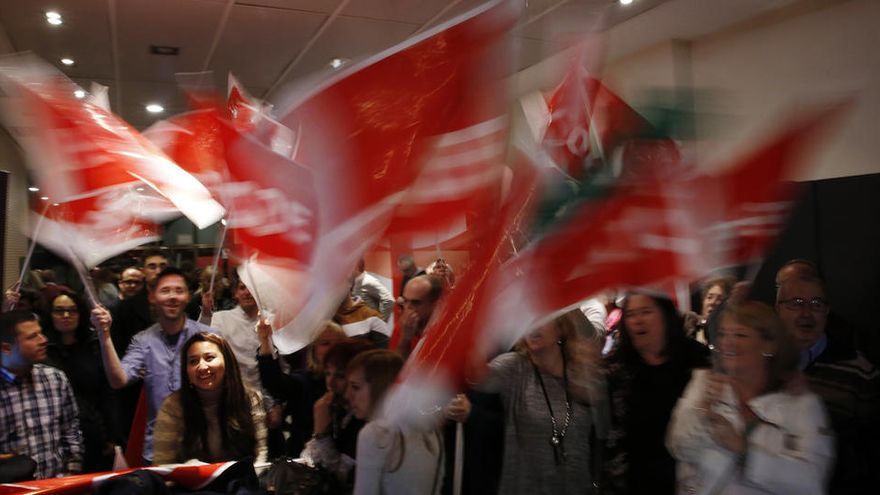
column 557, row 434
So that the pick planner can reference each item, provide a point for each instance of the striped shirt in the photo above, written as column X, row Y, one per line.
column 39, row 418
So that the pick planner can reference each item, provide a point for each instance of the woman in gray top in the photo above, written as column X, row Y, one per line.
column 553, row 396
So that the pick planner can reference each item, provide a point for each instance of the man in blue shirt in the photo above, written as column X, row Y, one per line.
column 154, row 354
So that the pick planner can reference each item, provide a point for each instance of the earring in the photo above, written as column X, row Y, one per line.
column 560, row 342
column 767, row 354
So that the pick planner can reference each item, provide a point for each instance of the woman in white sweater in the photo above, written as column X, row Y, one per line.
column 391, row 459
column 750, row 426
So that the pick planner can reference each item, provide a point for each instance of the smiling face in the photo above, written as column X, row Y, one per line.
column 205, row 366
column 357, row 394
column 171, row 296
column 644, row 324
column 65, row 314
column 741, row 348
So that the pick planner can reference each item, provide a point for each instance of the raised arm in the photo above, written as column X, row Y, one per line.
column 116, row 375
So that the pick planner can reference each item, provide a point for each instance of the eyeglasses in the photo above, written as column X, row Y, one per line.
column 63, row 311
column 131, row 282
column 816, row 304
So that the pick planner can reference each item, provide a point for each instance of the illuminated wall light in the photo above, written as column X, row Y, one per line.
column 155, row 108
column 67, row 61
column 55, row 204
column 79, row 94
column 33, row 189
column 44, row 198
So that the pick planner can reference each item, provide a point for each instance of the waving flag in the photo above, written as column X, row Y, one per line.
column 653, row 228
column 366, row 135
column 94, row 167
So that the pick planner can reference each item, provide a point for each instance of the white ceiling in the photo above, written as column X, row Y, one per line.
column 265, row 43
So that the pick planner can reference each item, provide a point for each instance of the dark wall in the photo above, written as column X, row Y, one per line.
column 836, row 224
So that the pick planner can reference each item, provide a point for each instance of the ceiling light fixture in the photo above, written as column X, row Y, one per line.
column 44, row 198
column 337, row 62
column 626, row 2
column 53, row 18
column 67, row 61
column 155, row 108
column 33, row 189
column 79, row 94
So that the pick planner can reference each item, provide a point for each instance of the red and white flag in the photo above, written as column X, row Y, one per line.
column 367, row 134
column 92, row 164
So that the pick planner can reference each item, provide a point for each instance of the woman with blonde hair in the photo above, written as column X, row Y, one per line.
column 749, row 426
column 213, row 417
column 390, row 459
column 553, row 396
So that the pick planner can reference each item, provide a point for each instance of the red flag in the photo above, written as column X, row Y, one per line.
column 367, row 133
column 652, row 229
column 79, row 150
column 189, row 476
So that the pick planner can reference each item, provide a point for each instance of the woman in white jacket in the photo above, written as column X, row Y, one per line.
column 749, row 426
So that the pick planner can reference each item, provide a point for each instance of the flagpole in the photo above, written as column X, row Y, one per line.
column 86, row 279
column 224, row 225
column 458, row 467
column 30, row 253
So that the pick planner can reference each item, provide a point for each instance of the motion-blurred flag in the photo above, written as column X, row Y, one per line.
column 94, row 166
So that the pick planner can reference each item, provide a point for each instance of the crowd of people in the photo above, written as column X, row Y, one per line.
column 625, row 395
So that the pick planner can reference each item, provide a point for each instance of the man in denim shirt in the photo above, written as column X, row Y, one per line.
column 154, row 354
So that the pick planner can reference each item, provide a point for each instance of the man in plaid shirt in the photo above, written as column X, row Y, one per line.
column 38, row 414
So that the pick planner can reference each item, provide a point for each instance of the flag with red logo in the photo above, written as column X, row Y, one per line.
column 367, row 134
column 655, row 227
column 92, row 163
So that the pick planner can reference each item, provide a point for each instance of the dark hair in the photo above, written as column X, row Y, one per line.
column 342, row 352
column 9, row 324
column 149, row 253
column 673, row 325
column 381, row 367
column 167, row 272
column 238, row 432
column 765, row 321
column 83, row 327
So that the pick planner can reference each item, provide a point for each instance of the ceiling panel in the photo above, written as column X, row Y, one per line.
column 137, row 94
column 412, row 11
column 320, row 6
column 258, row 43
column 84, row 36
column 352, row 38
column 187, row 24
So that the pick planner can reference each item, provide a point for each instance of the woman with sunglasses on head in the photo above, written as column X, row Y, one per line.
column 750, row 426
column 213, row 417
column 73, row 348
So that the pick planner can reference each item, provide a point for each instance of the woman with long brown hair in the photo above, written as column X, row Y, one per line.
column 213, row 417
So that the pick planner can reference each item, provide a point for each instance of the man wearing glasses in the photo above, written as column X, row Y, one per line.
column 847, row 382
column 130, row 283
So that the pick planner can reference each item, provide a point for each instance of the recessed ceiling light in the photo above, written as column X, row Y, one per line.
column 139, row 189
column 155, row 108
column 53, row 18
column 44, row 198
column 56, row 204
column 79, row 94
column 33, row 189
column 626, row 2
column 67, row 61
column 337, row 62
